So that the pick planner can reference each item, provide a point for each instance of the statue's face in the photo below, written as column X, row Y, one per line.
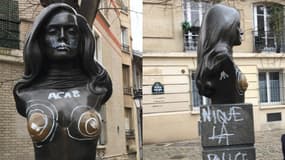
column 61, row 37
column 238, row 35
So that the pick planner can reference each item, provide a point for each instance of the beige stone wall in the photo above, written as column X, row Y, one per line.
column 29, row 9
column 163, row 31
column 170, row 127
column 113, row 58
column 162, row 26
column 15, row 143
column 171, row 117
column 115, row 106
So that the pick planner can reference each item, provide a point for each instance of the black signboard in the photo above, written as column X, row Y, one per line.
column 227, row 124
column 227, row 132
column 157, row 88
column 235, row 153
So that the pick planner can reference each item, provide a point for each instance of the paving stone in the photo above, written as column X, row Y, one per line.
column 267, row 144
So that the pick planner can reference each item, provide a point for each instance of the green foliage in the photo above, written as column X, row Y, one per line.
column 277, row 18
column 186, row 26
column 277, row 23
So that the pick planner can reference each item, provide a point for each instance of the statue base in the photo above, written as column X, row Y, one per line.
column 229, row 153
column 227, row 132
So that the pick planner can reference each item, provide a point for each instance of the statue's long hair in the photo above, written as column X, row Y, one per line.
column 219, row 27
column 34, row 58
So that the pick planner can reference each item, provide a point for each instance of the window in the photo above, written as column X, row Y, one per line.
column 124, row 39
column 103, row 6
column 193, row 13
column 128, row 122
column 126, row 80
column 197, row 99
column 123, row 4
column 268, row 27
column 9, row 24
column 103, row 136
column 269, row 87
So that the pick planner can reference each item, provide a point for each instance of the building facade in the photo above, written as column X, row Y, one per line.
column 119, row 139
column 136, row 31
column 171, row 100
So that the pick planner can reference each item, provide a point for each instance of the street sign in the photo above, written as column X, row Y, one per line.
column 157, row 88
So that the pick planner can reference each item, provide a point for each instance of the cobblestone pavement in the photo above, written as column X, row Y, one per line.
column 267, row 144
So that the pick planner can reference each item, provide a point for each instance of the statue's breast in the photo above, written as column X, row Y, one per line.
column 73, row 111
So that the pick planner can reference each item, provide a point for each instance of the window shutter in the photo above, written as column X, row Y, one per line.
column 9, row 24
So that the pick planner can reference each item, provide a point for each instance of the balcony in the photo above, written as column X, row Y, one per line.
column 125, row 48
column 190, row 41
column 130, row 133
column 127, row 91
column 268, row 41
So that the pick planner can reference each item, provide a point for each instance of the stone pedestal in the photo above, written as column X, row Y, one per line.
column 227, row 132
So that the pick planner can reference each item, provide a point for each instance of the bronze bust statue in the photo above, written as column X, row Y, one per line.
column 217, row 76
column 63, row 87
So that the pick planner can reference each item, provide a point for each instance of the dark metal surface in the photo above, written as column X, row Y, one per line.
column 227, row 132
column 271, row 117
column 227, row 129
column 227, row 125
column 217, row 76
column 63, row 88
column 235, row 153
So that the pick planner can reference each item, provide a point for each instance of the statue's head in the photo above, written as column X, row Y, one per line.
column 58, row 34
column 220, row 31
column 61, row 35
column 221, row 24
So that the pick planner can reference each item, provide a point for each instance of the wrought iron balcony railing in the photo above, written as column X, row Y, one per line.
column 125, row 47
column 268, row 41
column 263, row 41
column 130, row 132
column 128, row 91
column 190, row 41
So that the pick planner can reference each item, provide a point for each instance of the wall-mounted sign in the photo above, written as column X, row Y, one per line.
column 157, row 88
